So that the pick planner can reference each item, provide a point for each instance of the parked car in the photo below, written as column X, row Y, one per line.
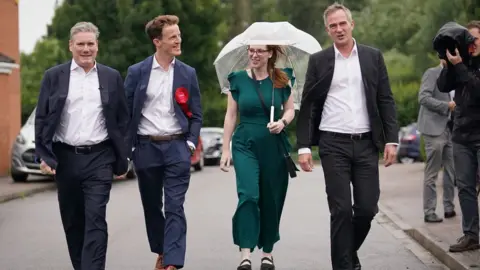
column 24, row 162
column 212, row 144
column 409, row 144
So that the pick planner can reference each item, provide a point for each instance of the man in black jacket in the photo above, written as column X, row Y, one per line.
column 80, row 127
column 464, row 78
column 348, row 111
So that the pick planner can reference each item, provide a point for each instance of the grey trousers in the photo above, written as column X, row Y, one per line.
column 439, row 152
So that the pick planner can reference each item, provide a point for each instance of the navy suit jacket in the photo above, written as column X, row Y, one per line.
column 53, row 94
column 136, row 84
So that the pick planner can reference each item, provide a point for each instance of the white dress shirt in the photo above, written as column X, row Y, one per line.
column 345, row 108
column 452, row 94
column 158, row 113
column 82, row 121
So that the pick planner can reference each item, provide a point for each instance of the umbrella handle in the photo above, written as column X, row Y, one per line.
column 271, row 113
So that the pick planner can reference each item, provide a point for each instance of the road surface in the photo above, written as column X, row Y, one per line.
column 31, row 236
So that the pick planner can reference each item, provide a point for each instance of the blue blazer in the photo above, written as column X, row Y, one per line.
column 53, row 94
column 136, row 84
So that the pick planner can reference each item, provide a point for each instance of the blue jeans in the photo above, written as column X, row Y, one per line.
column 466, row 159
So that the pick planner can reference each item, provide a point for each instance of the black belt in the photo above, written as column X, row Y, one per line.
column 85, row 149
column 353, row 136
column 161, row 137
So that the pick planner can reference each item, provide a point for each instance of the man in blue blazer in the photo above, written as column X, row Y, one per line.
column 166, row 116
column 81, row 122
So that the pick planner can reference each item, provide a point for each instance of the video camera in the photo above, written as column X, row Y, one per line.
column 450, row 36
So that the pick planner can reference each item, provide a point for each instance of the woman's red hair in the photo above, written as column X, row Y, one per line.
column 279, row 76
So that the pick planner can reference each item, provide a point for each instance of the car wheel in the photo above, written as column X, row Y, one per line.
column 211, row 161
column 19, row 177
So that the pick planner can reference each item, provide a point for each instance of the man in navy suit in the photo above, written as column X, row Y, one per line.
column 166, row 116
column 80, row 128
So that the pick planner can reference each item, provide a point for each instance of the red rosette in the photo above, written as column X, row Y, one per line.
column 181, row 97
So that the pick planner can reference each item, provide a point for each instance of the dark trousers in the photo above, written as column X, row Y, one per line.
column 349, row 161
column 164, row 167
column 84, row 181
column 466, row 158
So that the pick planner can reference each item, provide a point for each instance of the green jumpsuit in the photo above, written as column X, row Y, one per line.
column 258, row 159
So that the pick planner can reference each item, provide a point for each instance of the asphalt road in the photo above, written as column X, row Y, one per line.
column 31, row 236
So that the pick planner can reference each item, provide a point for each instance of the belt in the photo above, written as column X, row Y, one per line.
column 161, row 137
column 85, row 149
column 352, row 136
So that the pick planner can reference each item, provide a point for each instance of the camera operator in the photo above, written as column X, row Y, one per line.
column 464, row 78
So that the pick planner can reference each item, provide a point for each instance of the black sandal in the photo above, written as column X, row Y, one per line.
column 245, row 266
column 267, row 266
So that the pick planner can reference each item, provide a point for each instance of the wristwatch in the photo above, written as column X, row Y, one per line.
column 284, row 122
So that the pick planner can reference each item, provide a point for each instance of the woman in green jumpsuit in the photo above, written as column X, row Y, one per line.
column 258, row 149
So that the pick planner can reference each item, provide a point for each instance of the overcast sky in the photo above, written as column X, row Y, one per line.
column 34, row 15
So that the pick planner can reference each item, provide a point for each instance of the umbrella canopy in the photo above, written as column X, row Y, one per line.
column 297, row 45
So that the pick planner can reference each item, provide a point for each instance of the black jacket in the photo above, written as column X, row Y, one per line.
column 465, row 80
column 52, row 98
column 380, row 102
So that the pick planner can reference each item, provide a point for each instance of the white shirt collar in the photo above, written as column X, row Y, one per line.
column 74, row 65
column 353, row 52
column 155, row 63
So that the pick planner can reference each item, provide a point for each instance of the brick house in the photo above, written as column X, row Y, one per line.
column 10, row 109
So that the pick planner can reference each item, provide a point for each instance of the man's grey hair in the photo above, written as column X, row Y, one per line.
column 334, row 7
column 84, row 27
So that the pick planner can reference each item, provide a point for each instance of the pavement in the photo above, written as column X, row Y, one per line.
column 32, row 236
column 10, row 190
column 401, row 200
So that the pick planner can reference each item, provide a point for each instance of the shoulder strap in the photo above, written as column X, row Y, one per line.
column 292, row 169
column 257, row 88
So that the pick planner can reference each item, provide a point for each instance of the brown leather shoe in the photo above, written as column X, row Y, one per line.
column 465, row 243
column 159, row 264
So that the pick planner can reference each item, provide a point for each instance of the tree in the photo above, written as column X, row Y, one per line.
column 403, row 31
column 123, row 41
column 240, row 18
column 472, row 9
column 307, row 15
column 44, row 55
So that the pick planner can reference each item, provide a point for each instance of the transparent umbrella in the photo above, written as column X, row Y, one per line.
column 297, row 45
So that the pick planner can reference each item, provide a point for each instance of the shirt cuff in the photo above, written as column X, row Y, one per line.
column 304, row 151
column 392, row 143
column 191, row 145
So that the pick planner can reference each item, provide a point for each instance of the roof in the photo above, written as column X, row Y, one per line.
column 6, row 59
